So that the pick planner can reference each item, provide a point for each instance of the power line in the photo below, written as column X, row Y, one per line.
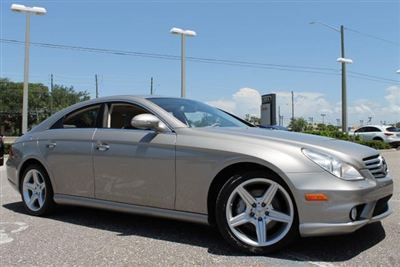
column 248, row 64
column 373, row 36
column 160, row 56
column 372, row 76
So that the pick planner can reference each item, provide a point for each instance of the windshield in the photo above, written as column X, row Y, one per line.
column 196, row 114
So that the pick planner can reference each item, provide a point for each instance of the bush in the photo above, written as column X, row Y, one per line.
column 344, row 136
column 375, row 144
column 6, row 148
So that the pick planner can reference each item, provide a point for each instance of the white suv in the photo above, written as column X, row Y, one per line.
column 384, row 133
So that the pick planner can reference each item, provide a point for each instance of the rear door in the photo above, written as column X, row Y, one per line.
column 364, row 133
column 67, row 148
column 132, row 165
column 372, row 133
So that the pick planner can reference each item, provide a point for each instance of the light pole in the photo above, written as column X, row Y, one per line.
column 323, row 118
column 183, row 34
column 343, row 60
column 28, row 11
column 398, row 71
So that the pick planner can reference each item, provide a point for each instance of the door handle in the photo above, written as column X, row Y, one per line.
column 102, row 147
column 51, row 145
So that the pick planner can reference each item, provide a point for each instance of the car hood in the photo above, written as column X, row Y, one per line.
column 342, row 149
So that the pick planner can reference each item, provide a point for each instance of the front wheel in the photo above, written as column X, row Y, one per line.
column 255, row 213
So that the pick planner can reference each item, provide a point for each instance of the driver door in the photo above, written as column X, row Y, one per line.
column 132, row 165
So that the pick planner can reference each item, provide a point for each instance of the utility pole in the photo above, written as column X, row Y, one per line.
column 279, row 115
column 344, row 89
column 97, row 86
column 51, row 93
column 292, row 106
column 151, row 86
column 343, row 61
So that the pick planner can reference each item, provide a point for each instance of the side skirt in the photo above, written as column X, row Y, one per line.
column 130, row 208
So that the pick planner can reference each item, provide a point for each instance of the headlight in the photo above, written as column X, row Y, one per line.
column 333, row 165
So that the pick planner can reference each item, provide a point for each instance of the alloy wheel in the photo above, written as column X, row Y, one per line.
column 259, row 212
column 34, row 190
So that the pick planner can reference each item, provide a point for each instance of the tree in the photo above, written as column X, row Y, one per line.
column 66, row 96
column 252, row 119
column 298, row 125
column 331, row 128
column 39, row 103
column 321, row 126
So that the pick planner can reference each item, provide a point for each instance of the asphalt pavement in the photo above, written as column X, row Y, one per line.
column 75, row 236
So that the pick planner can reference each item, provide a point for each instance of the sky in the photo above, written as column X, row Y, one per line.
column 269, row 33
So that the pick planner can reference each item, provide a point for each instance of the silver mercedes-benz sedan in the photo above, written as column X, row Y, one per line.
column 182, row 159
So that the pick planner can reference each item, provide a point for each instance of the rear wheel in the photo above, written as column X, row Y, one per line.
column 36, row 191
column 255, row 213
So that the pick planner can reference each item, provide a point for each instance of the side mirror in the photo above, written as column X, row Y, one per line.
column 148, row 121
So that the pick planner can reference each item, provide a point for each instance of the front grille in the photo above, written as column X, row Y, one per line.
column 376, row 165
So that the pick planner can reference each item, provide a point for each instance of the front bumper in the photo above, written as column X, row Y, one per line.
column 320, row 229
column 370, row 197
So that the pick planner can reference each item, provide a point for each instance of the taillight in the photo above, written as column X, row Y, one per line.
column 389, row 134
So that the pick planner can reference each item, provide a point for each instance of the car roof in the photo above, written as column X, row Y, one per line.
column 141, row 100
column 376, row 126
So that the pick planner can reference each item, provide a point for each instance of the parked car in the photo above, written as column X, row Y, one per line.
column 384, row 133
column 182, row 159
column 275, row 127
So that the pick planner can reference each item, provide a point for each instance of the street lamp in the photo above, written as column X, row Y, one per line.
column 323, row 118
column 28, row 11
column 398, row 71
column 183, row 34
column 343, row 60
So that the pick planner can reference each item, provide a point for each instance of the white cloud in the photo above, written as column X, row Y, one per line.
column 307, row 104
column 245, row 101
column 311, row 104
column 393, row 99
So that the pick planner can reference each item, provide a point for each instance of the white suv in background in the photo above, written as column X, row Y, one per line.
column 384, row 133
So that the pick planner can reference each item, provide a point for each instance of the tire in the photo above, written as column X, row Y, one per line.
column 36, row 191
column 248, row 227
column 378, row 139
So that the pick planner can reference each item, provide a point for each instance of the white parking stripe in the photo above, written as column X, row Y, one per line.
column 5, row 233
column 300, row 257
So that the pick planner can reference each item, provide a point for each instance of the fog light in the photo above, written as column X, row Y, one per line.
column 353, row 214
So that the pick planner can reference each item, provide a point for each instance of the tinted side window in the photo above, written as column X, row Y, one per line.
column 367, row 130
column 121, row 115
column 373, row 129
column 83, row 118
column 393, row 129
column 361, row 130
